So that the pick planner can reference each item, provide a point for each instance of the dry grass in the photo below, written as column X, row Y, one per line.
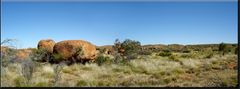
column 148, row 70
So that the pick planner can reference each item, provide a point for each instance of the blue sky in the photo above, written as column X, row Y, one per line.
column 102, row 22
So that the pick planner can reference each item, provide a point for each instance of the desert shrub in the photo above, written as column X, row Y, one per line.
column 102, row 59
column 186, row 49
column 131, row 47
column 117, row 57
column 222, row 48
column 8, row 57
column 165, row 53
column 57, row 57
column 128, row 49
column 41, row 55
column 27, row 70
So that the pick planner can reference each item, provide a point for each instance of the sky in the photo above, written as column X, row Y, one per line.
column 102, row 22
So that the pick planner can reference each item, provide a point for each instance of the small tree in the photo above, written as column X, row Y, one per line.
column 128, row 48
column 223, row 48
column 10, row 54
column 116, row 49
column 131, row 48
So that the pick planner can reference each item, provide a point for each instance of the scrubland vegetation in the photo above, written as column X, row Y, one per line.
column 159, row 66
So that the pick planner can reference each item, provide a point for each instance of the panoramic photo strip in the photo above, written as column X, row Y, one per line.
column 107, row 43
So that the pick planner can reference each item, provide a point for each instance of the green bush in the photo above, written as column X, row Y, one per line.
column 131, row 47
column 223, row 48
column 102, row 59
column 57, row 57
column 41, row 55
column 165, row 53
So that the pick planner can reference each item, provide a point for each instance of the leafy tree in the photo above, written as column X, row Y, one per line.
column 131, row 48
column 128, row 49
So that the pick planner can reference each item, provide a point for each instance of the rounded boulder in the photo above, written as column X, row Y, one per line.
column 47, row 44
column 77, row 50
